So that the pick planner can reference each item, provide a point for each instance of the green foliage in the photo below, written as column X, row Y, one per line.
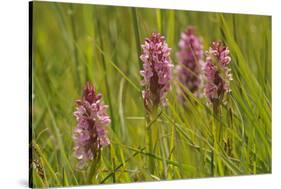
column 74, row 43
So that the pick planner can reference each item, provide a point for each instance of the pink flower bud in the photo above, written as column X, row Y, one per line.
column 190, row 57
column 217, row 73
column 90, row 134
column 157, row 70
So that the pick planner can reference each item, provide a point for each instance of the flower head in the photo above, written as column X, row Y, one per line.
column 217, row 72
column 90, row 134
column 190, row 60
column 157, row 70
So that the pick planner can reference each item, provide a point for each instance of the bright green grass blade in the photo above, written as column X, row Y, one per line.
column 171, row 27
column 65, row 179
column 159, row 20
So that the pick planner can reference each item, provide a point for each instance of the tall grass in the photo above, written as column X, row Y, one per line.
column 73, row 43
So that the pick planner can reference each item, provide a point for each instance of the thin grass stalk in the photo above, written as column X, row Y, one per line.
column 137, row 34
column 112, row 158
column 75, row 52
column 108, row 92
column 121, row 165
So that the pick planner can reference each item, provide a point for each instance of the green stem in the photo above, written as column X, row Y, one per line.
column 163, row 148
column 94, row 167
column 217, row 141
column 150, row 150
column 213, row 145
column 214, row 121
column 151, row 119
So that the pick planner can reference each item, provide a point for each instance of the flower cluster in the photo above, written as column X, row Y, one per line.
column 217, row 72
column 90, row 134
column 157, row 70
column 190, row 60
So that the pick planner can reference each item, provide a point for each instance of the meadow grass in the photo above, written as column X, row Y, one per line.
column 75, row 43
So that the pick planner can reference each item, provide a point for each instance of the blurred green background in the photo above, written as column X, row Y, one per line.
column 74, row 43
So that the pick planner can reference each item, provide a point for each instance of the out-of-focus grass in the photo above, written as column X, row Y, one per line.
column 73, row 43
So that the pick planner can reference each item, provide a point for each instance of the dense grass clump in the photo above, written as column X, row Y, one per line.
column 188, row 137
